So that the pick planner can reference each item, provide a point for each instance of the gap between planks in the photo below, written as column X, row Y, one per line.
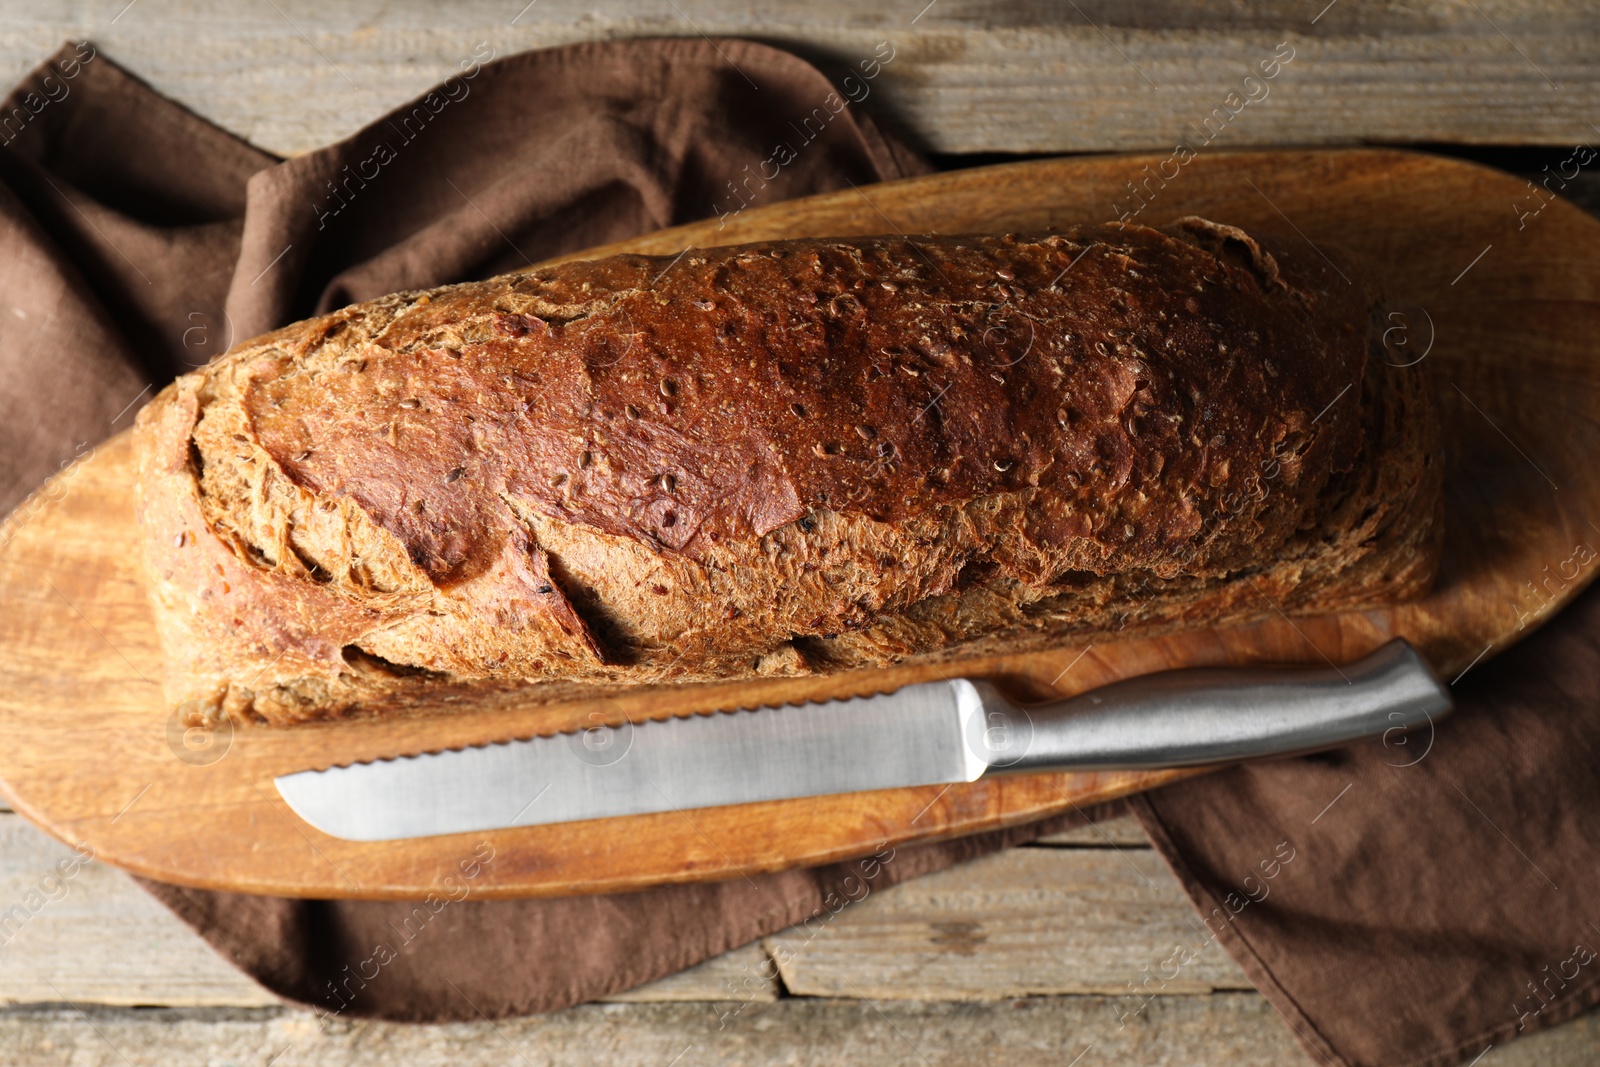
column 941, row 994
column 1098, row 921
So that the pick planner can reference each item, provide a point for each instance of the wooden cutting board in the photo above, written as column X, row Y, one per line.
column 1504, row 304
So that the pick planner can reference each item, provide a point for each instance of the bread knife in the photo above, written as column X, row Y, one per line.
column 933, row 733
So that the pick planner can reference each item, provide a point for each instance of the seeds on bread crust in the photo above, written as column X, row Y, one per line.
column 803, row 455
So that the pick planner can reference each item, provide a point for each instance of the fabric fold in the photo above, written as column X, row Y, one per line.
column 1441, row 898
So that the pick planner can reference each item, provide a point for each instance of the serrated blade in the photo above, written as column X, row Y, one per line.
column 913, row 736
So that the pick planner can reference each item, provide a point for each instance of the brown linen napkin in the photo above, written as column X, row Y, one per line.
column 1440, row 899
column 1405, row 920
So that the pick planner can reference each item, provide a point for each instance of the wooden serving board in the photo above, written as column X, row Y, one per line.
column 1506, row 306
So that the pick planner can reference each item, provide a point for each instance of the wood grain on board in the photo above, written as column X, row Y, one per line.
column 1506, row 313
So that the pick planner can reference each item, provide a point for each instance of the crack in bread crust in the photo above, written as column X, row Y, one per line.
column 778, row 459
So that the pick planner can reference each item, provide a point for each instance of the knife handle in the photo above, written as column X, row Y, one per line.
column 1197, row 716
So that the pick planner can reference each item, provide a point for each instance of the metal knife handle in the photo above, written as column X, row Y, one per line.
column 1196, row 716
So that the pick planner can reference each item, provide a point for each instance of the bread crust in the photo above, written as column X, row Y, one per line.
column 778, row 458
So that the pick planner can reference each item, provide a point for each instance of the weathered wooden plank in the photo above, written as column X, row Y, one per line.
column 89, row 935
column 1240, row 1028
column 81, row 931
column 104, row 940
column 1031, row 921
column 1231, row 1029
column 1121, row 832
column 1024, row 922
column 966, row 75
column 745, row 974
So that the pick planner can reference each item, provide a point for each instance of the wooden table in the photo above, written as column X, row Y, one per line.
column 1014, row 959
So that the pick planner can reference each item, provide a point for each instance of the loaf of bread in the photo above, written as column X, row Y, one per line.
column 782, row 458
